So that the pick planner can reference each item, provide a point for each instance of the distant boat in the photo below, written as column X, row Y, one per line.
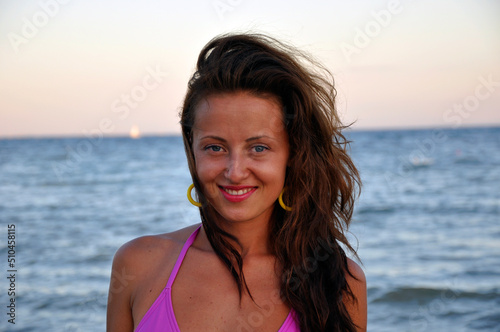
column 421, row 162
column 134, row 132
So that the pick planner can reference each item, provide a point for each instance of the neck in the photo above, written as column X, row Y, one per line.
column 252, row 235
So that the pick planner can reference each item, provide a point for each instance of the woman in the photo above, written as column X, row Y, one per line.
column 275, row 190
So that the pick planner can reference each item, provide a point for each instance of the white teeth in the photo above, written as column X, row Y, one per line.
column 237, row 192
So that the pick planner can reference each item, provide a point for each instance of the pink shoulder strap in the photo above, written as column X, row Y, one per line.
column 182, row 254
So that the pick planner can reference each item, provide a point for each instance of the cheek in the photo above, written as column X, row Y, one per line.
column 272, row 172
column 207, row 173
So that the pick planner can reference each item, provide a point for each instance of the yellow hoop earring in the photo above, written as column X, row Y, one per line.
column 191, row 200
column 280, row 200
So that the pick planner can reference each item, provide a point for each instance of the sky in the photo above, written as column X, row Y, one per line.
column 75, row 68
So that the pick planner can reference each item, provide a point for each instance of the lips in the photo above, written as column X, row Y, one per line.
column 237, row 194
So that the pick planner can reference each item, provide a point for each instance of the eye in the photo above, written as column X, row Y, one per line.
column 213, row 148
column 260, row 148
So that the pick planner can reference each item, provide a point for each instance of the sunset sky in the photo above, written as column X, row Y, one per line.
column 72, row 67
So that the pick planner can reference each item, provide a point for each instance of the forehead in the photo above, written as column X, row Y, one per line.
column 239, row 112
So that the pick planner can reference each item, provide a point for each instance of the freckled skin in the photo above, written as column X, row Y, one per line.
column 239, row 141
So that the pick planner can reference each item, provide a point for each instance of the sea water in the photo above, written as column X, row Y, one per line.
column 426, row 226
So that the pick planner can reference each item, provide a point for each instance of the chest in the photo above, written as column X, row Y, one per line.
column 205, row 297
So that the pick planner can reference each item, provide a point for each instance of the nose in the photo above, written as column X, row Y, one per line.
column 236, row 169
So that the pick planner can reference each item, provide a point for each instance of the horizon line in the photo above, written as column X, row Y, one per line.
column 172, row 134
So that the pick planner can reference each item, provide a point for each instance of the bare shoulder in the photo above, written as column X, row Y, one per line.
column 356, row 272
column 148, row 249
column 358, row 307
column 139, row 258
column 144, row 249
column 134, row 264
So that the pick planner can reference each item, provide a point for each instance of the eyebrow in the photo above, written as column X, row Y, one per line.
column 213, row 137
column 253, row 138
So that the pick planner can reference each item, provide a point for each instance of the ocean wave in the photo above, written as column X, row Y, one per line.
column 488, row 322
column 375, row 209
column 423, row 295
column 468, row 160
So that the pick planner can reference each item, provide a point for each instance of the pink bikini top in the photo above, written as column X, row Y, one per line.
column 161, row 317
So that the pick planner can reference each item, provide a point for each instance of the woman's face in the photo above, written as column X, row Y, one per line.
column 241, row 151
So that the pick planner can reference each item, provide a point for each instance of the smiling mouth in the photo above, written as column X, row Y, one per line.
column 237, row 192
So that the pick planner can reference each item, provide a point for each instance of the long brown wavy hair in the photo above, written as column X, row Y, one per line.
column 321, row 180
